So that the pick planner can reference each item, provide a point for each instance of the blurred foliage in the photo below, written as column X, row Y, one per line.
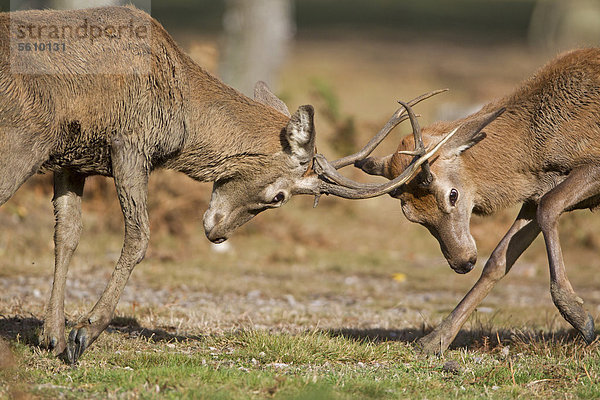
column 325, row 93
column 505, row 18
column 343, row 134
column 500, row 19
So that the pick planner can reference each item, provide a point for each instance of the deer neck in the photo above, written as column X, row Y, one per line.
column 498, row 169
column 226, row 132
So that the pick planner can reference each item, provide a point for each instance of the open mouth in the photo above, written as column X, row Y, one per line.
column 218, row 240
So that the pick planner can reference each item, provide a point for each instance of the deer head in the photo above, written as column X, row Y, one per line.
column 429, row 183
column 440, row 198
column 238, row 198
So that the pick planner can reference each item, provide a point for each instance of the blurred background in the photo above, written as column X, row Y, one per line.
column 352, row 60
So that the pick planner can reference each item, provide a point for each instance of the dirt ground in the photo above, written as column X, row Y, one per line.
column 345, row 266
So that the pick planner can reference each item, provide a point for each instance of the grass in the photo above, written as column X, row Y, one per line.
column 316, row 364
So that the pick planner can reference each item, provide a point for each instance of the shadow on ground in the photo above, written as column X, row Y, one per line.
column 26, row 329
column 471, row 339
column 132, row 327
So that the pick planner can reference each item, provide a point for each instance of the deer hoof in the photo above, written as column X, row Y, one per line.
column 52, row 338
column 52, row 343
column 78, row 342
column 570, row 307
column 430, row 345
column 588, row 332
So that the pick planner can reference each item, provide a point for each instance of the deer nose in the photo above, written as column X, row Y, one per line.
column 215, row 236
column 465, row 267
column 211, row 221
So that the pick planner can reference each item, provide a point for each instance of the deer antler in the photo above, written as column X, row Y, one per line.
column 336, row 184
column 341, row 186
column 398, row 117
column 419, row 146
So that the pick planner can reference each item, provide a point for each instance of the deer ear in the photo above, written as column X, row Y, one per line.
column 263, row 95
column 300, row 134
column 470, row 133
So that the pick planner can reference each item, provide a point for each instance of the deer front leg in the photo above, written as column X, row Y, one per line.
column 130, row 171
column 581, row 184
column 68, row 189
column 520, row 235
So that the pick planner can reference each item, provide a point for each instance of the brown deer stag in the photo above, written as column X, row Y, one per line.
column 96, row 107
column 117, row 97
column 541, row 149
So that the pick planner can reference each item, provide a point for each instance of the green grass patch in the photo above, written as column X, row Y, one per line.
column 314, row 365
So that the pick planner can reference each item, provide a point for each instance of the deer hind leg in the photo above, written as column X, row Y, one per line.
column 581, row 184
column 68, row 189
column 520, row 235
column 130, row 171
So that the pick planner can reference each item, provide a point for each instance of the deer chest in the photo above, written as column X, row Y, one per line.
column 86, row 152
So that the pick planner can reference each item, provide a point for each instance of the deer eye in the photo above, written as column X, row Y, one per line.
column 453, row 197
column 279, row 197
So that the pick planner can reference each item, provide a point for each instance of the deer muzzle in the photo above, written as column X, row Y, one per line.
column 211, row 222
column 464, row 267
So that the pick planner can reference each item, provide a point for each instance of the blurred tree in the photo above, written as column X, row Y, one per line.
column 257, row 36
column 559, row 24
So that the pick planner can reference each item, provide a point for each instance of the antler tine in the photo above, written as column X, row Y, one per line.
column 396, row 118
column 336, row 184
column 419, row 146
column 348, row 189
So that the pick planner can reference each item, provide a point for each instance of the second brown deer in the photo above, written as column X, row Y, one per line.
column 539, row 147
